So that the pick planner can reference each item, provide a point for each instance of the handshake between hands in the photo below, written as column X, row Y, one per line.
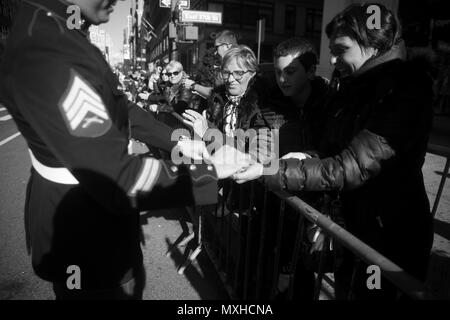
column 226, row 160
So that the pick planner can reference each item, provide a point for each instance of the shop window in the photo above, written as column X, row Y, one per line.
column 313, row 26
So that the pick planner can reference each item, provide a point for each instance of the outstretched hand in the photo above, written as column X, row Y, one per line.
column 296, row 155
column 196, row 121
column 252, row 172
column 228, row 160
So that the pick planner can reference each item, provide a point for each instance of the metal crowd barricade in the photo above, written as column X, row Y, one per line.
column 247, row 255
column 248, row 262
column 443, row 151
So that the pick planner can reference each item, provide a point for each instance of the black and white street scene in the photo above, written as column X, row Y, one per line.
column 253, row 152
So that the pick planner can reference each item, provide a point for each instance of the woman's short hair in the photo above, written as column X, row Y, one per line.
column 174, row 64
column 245, row 58
column 299, row 48
column 352, row 22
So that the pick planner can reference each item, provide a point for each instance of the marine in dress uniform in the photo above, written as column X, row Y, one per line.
column 85, row 190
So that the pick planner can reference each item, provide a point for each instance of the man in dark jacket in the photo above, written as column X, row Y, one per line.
column 223, row 41
column 297, row 101
column 295, row 107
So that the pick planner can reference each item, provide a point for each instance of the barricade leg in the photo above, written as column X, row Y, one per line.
column 441, row 187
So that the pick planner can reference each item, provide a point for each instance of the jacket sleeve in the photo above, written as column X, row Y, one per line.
column 262, row 147
column 58, row 103
column 145, row 128
column 395, row 134
column 360, row 161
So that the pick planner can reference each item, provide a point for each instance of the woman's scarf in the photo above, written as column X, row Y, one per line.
column 230, row 114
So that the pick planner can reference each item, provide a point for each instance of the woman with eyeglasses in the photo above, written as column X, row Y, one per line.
column 236, row 104
column 233, row 110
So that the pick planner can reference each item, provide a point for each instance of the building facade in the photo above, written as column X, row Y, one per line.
column 149, row 36
column 425, row 23
column 283, row 18
column 101, row 39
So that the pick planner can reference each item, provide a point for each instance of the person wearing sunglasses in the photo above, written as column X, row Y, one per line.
column 223, row 42
column 164, row 76
column 161, row 83
column 173, row 97
column 176, row 93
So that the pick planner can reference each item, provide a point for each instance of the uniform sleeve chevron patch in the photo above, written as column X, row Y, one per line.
column 83, row 110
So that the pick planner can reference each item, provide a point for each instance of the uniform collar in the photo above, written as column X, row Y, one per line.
column 58, row 8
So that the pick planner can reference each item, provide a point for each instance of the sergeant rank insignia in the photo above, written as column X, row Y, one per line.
column 83, row 109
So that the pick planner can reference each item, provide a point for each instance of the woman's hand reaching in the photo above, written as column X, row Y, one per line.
column 196, row 121
column 296, row 155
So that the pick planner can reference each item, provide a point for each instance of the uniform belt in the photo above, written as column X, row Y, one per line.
column 58, row 175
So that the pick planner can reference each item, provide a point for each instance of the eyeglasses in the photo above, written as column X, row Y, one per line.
column 237, row 75
column 175, row 73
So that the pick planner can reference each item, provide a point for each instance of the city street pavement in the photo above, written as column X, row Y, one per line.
column 160, row 230
column 439, row 270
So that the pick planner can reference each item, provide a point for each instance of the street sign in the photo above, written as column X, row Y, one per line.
column 165, row 3
column 201, row 16
column 184, row 4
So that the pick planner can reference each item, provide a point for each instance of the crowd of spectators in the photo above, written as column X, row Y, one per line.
column 350, row 144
